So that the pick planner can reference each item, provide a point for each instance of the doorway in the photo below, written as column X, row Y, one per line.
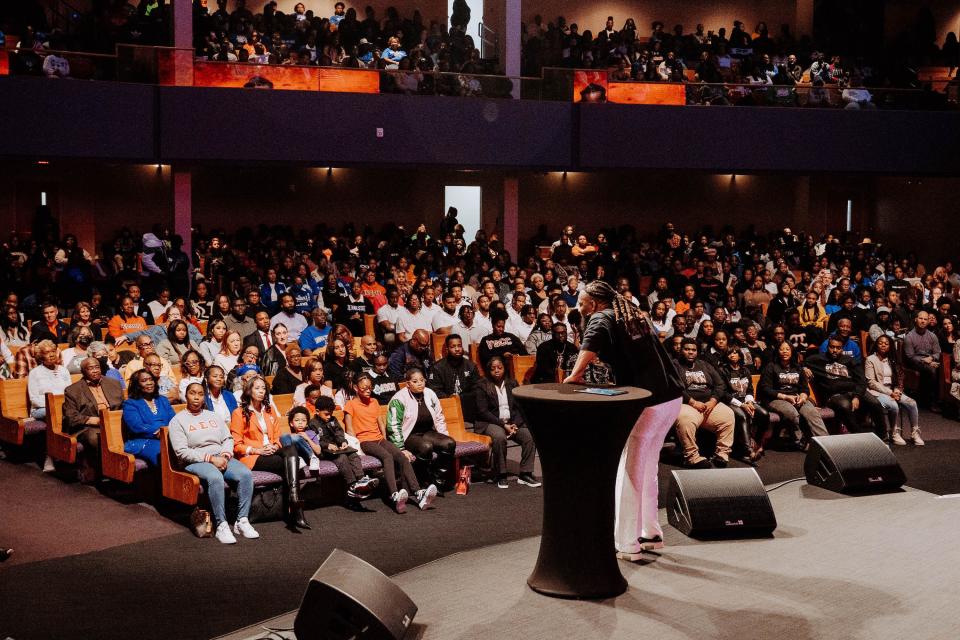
column 467, row 200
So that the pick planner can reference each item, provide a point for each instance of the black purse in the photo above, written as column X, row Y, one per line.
column 267, row 504
column 654, row 368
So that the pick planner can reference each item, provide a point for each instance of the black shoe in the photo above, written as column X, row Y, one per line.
column 502, row 482
column 719, row 462
column 5, row 553
column 528, row 479
column 747, row 460
column 703, row 464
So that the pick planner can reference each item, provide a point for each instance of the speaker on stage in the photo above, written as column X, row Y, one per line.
column 719, row 503
column 350, row 599
column 852, row 462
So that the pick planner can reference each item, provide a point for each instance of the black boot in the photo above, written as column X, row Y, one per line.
column 294, row 504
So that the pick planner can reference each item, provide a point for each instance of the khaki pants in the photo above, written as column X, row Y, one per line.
column 721, row 421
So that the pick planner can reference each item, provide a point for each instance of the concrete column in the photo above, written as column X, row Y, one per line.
column 511, row 36
column 183, row 208
column 511, row 215
column 183, row 42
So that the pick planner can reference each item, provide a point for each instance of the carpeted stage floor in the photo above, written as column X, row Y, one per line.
column 89, row 567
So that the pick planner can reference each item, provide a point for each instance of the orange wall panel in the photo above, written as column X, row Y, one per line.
column 229, row 74
column 646, row 93
column 349, row 81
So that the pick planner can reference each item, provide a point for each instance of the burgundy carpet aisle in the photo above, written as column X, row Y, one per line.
column 42, row 517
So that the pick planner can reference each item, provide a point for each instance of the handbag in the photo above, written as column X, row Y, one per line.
column 654, row 368
column 201, row 523
column 463, row 480
column 267, row 504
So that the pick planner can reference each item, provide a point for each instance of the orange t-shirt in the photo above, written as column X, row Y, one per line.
column 365, row 419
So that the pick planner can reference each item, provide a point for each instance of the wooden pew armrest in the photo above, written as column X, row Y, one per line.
column 11, row 430
column 469, row 436
column 176, row 485
column 60, row 446
column 116, row 463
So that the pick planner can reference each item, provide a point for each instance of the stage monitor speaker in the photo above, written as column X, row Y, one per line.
column 854, row 462
column 728, row 503
column 350, row 599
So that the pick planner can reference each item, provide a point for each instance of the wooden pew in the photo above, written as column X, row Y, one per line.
column 475, row 357
column 116, row 463
column 60, row 446
column 15, row 410
column 469, row 445
column 437, row 341
column 521, row 368
column 176, row 484
column 284, row 403
column 370, row 324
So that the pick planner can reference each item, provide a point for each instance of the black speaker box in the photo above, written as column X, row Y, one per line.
column 728, row 503
column 348, row 599
column 855, row 462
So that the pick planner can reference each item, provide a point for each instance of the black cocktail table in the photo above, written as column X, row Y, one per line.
column 579, row 438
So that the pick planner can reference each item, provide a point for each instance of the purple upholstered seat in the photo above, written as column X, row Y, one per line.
column 31, row 426
column 470, row 448
column 265, row 479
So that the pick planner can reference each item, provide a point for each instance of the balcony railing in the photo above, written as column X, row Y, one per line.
column 167, row 66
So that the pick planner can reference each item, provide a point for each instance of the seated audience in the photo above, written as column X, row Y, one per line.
column 416, row 424
column 291, row 375
column 702, row 407
column 840, row 384
column 412, row 354
column 204, row 447
column 48, row 376
column 784, row 385
column 259, row 444
column 191, row 370
column 328, row 441
column 556, row 353
column 499, row 342
column 82, row 403
column 363, row 420
column 921, row 351
column 751, row 420
column 144, row 411
column 884, row 376
column 274, row 358
column 499, row 416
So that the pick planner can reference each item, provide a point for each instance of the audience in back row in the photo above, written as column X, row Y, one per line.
column 771, row 334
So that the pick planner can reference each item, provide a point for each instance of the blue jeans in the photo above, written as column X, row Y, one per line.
column 213, row 483
column 40, row 413
column 893, row 407
column 300, row 442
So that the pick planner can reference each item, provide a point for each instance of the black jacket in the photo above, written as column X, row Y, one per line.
column 284, row 382
column 550, row 357
column 328, row 432
column 776, row 379
column 488, row 404
column 273, row 361
column 447, row 379
column 830, row 377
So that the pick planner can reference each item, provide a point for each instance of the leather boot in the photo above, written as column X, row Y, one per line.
column 291, row 465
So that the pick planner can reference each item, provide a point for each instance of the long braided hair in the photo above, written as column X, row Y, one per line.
column 625, row 313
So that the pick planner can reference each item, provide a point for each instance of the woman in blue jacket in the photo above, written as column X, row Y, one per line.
column 144, row 412
column 271, row 290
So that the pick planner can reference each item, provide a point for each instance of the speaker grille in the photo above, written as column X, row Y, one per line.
column 719, row 502
column 852, row 462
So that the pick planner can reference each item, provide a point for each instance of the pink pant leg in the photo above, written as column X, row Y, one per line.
column 636, row 493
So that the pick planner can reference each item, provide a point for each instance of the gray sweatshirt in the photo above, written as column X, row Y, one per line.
column 197, row 437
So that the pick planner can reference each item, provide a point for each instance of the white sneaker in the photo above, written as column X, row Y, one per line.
column 314, row 464
column 48, row 466
column 242, row 527
column 917, row 440
column 425, row 497
column 897, row 438
column 223, row 534
column 399, row 500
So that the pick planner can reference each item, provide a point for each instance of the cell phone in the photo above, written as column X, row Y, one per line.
column 596, row 391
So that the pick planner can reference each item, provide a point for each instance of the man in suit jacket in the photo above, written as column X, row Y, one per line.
column 82, row 402
column 260, row 338
column 140, row 308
